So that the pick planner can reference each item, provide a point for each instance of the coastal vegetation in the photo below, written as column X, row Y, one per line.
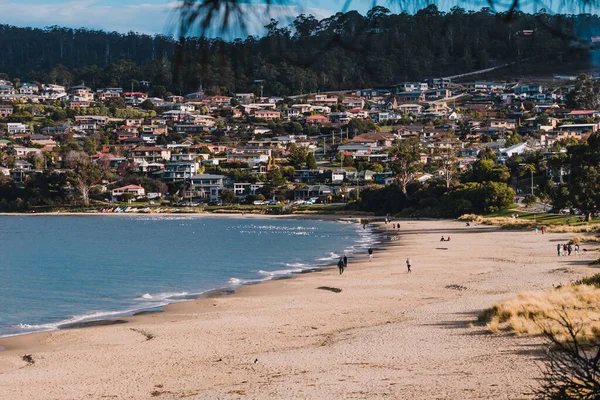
column 569, row 318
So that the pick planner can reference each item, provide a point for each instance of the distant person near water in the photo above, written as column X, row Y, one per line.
column 370, row 251
column 345, row 261
column 408, row 264
column 341, row 265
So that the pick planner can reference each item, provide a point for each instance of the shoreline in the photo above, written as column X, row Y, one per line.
column 385, row 333
column 126, row 317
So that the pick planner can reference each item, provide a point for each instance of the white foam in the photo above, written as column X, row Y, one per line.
column 161, row 296
column 332, row 256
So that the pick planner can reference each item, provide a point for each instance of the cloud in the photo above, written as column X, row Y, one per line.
column 139, row 16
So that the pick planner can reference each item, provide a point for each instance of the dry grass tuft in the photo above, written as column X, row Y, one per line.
column 530, row 313
column 584, row 239
column 590, row 228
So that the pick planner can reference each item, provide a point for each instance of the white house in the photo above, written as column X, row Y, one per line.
column 136, row 190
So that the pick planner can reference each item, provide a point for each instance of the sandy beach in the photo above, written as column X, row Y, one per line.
column 387, row 334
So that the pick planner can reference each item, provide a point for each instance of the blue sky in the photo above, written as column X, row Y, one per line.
column 160, row 16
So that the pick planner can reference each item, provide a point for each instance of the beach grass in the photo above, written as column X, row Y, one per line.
column 526, row 220
column 533, row 313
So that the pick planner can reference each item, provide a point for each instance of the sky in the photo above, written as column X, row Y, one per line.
column 160, row 16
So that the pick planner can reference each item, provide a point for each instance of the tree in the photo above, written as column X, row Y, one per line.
column 583, row 183
column 407, row 160
column 89, row 146
column 311, row 162
column 572, row 365
column 228, row 196
column 297, row 155
column 584, row 95
column 445, row 160
column 84, row 174
column 148, row 105
column 115, row 103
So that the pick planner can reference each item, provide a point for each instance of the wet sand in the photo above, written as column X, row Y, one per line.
column 387, row 333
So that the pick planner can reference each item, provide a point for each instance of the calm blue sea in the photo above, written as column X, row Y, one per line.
column 56, row 270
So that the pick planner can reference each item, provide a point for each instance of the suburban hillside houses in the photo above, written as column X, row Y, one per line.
column 203, row 146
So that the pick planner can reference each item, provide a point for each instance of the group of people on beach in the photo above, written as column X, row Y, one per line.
column 566, row 249
column 342, row 263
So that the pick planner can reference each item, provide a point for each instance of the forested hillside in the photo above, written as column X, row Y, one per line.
column 347, row 50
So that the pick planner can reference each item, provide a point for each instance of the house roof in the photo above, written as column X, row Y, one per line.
column 130, row 187
column 208, row 176
column 149, row 148
column 371, row 137
column 582, row 112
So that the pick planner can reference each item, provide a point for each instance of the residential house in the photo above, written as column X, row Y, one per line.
column 341, row 117
column 135, row 190
column 583, row 114
column 79, row 104
column 99, row 120
column 16, row 127
column 409, row 97
column 267, row 114
column 412, row 87
column 207, row 121
column 21, row 152
column 7, row 90
column 250, row 156
column 578, row 129
column 220, row 100
column 354, row 149
column 503, row 124
column 324, row 99
column 149, row 154
column 244, row 98
column 313, row 191
column 414, row 109
column 205, row 187
column 56, row 130
column 245, row 189
column 358, row 113
column 518, row 148
column 174, row 115
column 308, row 175
column 354, row 103
column 317, row 120
column 28, row 88
column 379, row 116
column 180, row 171
column 376, row 141
column 5, row 111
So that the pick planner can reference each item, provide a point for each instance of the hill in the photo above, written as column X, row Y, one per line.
column 345, row 51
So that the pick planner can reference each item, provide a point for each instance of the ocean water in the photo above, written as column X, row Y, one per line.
column 57, row 270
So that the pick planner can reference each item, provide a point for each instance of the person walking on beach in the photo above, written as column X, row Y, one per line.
column 576, row 249
column 345, row 261
column 558, row 249
column 408, row 264
column 370, row 251
column 569, row 249
column 543, row 228
column 341, row 265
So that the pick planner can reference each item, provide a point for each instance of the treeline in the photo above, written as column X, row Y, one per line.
column 347, row 50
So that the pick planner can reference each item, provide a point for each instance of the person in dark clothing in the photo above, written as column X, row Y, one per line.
column 345, row 261
column 408, row 264
column 341, row 266
column 569, row 249
column 370, row 251
column 558, row 249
